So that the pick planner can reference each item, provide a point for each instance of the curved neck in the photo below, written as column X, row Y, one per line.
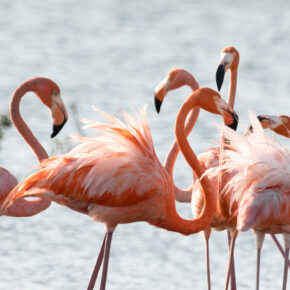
column 174, row 149
column 21, row 126
column 233, row 87
column 189, row 80
column 175, row 221
column 27, row 208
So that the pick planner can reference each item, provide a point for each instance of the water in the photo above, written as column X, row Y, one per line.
column 112, row 54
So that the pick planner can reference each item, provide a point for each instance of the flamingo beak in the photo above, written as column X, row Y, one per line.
column 157, row 104
column 235, row 120
column 57, row 128
column 59, row 114
column 224, row 64
column 220, row 74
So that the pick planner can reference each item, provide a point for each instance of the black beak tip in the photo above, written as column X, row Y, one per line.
column 220, row 74
column 234, row 124
column 56, row 129
column 157, row 104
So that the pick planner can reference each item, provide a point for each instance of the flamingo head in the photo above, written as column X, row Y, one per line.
column 212, row 102
column 175, row 79
column 229, row 60
column 49, row 93
column 278, row 124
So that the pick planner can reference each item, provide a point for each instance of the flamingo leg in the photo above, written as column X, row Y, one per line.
column 207, row 233
column 260, row 236
column 287, row 247
column 97, row 266
column 258, row 269
column 233, row 271
column 208, row 265
column 279, row 247
column 106, row 260
column 286, row 269
column 231, row 254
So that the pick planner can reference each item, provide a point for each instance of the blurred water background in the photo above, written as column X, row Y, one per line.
column 112, row 54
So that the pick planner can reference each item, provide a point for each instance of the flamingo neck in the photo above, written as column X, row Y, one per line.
column 231, row 101
column 186, row 79
column 21, row 126
column 27, row 208
column 233, row 87
column 191, row 82
column 174, row 149
column 177, row 223
column 182, row 195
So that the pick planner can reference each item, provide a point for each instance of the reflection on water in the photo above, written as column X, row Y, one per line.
column 112, row 55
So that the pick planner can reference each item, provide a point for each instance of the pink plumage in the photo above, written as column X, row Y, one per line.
column 261, row 182
column 118, row 167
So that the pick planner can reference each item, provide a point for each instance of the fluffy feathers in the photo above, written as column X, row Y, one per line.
column 117, row 167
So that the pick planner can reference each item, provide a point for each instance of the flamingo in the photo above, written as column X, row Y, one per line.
column 280, row 125
column 117, row 177
column 261, row 183
column 175, row 79
column 49, row 93
column 230, row 61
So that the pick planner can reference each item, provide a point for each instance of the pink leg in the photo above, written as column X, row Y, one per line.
column 208, row 265
column 260, row 236
column 231, row 254
column 287, row 247
column 279, row 247
column 258, row 269
column 106, row 260
column 286, row 269
column 233, row 271
column 97, row 266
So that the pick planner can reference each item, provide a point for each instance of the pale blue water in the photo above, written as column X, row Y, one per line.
column 112, row 54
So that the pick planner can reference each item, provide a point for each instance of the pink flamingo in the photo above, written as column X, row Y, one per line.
column 175, row 79
column 260, row 184
column 118, row 178
column 49, row 93
column 230, row 60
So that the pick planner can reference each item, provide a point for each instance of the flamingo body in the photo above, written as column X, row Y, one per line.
column 117, row 178
column 261, row 180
